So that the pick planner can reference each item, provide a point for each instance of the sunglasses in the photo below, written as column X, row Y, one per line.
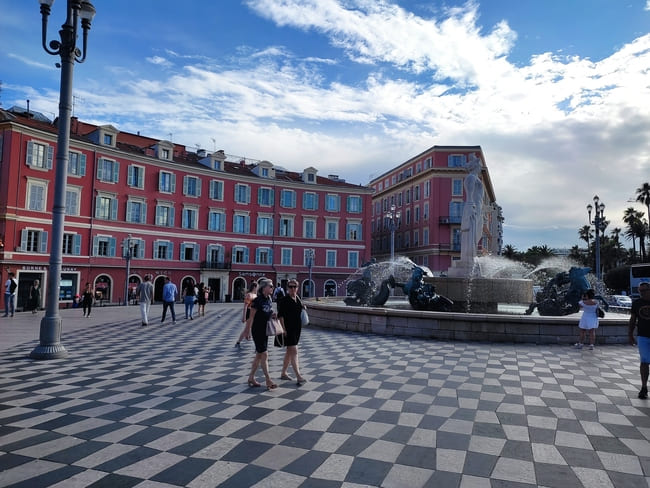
column 292, row 286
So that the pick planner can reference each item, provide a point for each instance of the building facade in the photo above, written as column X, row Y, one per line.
column 425, row 196
column 137, row 205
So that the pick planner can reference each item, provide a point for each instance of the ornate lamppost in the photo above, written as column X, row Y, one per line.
column 599, row 224
column 309, row 255
column 127, row 254
column 393, row 217
column 50, row 346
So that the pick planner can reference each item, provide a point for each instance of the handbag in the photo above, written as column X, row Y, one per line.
column 274, row 327
column 304, row 318
column 600, row 312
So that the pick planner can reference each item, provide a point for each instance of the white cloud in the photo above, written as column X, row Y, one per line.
column 158, row 60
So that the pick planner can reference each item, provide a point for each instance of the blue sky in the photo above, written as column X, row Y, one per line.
column 557, row 92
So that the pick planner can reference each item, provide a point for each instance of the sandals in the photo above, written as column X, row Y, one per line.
column 271, row 385
column 300, row 381
column 286, row 377
column 253, row 383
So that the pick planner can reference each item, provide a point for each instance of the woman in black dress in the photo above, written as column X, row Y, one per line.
column 35, row 296
column 289, row 308
column 261, row 312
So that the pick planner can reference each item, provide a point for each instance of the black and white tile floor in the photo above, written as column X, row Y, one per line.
column 168, row 405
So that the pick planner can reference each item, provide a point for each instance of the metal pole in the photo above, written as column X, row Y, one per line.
column 127, row 255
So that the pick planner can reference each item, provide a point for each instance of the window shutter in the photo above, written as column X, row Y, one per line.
column 116, row 172
column 195, row 255
column 76, row 244
column 143, row 215
column 258, row 252
column 160, row 180
column 95, row 245
column 270, row 256
column 111, row 246
column 171, row 216
column 97, row 207
column 113, row 208
column 185, row 184
column 198, row 187
column 247, row 224
column 30, row 152
column 129, row 207
column 50, row 156
column 140, row 248
column 129, row 178
column 82, row 165
column 246, row 255
column 100, row 168
column 43, row 242
column 213, row 189
column 173, row 183
column 260, row 192
column 248, row 194
column 183, row 251
column 170, row 250
column 23, row 239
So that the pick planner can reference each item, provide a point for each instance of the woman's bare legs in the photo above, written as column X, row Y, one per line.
column 291, row 357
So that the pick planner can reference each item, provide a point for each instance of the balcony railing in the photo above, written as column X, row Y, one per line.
column 216, row 264
column 450, row 219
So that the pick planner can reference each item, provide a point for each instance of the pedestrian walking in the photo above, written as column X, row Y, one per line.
column 189, row 297
column 169, row 295
column 87, row 299
column 640, row 320
column 144, row 292
column 261, row 312
column 202, row 297
column 248, row 299
column 10, row 295
column 289, row 310
column 34, row 297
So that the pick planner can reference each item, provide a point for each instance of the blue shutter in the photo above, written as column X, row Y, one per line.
column 213, row 189
column 140, row 249
column 173, row 183
column 23, row 240
column 50, row 157
column 155, row 249
column 183, row 251
column 116, row 172
column 143, row 216
column 82, row 164
column 160, row 180
column 185, row 184
column 248, row 194
column 270, row 256
column 222, row 222
column 198, row 187
column 30, row 152
column 113, row 208
column 195, row 256
column 172, row 215
column 100, row 168
column 170, row 250
column 129, row 208
column 246, row 255
column 43, row 242
column 129, row 178
column 259, row 195
column 257, row 255
column 76, row 244
column 95, row 245
column 247, row 224
column 97, row 200
column 111, row 246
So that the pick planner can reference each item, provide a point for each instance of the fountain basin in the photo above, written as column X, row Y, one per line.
column 333, row 313
column 482, row 295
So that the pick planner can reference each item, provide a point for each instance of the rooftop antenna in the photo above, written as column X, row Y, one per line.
column 214, row 144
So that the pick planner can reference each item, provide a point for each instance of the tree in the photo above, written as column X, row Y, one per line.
column 643, row 196
column 585, row 234
column 630, row 216
column 509, row 251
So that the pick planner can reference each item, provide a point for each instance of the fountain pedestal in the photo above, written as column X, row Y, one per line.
column 482, row 295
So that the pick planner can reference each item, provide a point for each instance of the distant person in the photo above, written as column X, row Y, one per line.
column 202, row 298
column 87, row 299
column 169, row 295
column 248, row 299
column 278, row 293
column 289, row 310
column 10, row 295
column 189, row 297
column 144, row 292
column 588, row 320
column 640, row 319
column 34, row 297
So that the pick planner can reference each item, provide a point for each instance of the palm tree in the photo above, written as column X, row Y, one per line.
column 643, row 196
column 509, row 251
column 585, row 234
column 630, row 216
column 640, row 228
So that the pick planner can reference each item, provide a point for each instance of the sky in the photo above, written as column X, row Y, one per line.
column 556, row 92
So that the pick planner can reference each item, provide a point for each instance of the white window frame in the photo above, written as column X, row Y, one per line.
column 190, row 217
column 330, row 258
column 108, row 170
column 333, row 202
column 76, row 164
column 33, row 240
column 286, row 226
column 169, row 222
column 288, row 198
column 242, row 193
column 216, row 190
column 353, row 259
column 166, row 182
column 287, row 256
column 328, row 234
column 245, row 218
column 72, row 190
column 191, row 186
column 35, row 186
column 39, row 155
column 222, row 220
column 305, row 222
column 129, row 210
column 268, row 220
column 135, row 176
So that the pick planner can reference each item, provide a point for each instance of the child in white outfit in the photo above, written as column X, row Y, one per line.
column 589, row 319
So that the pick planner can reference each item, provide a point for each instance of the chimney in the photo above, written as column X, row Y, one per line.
column 242, row 162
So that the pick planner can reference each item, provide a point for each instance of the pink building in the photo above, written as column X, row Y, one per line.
column 425, row 194
column 205, row 216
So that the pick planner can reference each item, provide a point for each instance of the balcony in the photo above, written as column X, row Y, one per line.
column 216, row 264
column 450, row 219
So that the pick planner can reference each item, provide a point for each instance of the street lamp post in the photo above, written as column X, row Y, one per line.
column 50, row 346
column 393, row 217
column 309, row 254
column 127, row 254
column 599, row 224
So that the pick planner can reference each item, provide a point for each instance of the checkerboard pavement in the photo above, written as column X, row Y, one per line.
column 168, row 405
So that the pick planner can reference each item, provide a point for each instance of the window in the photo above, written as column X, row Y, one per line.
column 76, row 164
column 264, row 226
column 425, row 237
column 72, row 244
column 108, row 139
column 241, row 223
column 216, row 190
column 217, row 221
column 288, row 199
column 353, row 231
column 265, row 197
column 242, row 193
column 72, row 197
column 137, row 247
column 417, row 214
column 189, row 251
column 354, row 204
column 287, row 254
column 425, row 213
column 166, row 182
column 332, row 229
column 457, row 187
column 456, row 160
column 456, row 211
column 215, row 253
column 33, row 240
column 240, row 255
column 416, row 237
column 163, row 250
column 190, row 218
column 136, row 211
column 135, row 176
column 455, row 240
column 106, row 207
column 332, row 203
column 165, row 215
column 104, row 246
column 191, row 186
column 36, row 195
column 408, row 196
column 108, row 170
column 39, row 155
column 309, row 229
column 427, row 188
column 164, row 154
column 310, row 201
column 353, row 259
column 286, row 226
column 330, row 257
column 416, row 193
column 427, row 163
column 263, row 255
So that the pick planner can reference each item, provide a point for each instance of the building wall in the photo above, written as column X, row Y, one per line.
column 91, row 234
column 430, row 181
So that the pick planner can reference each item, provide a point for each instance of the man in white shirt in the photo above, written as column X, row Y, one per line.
column 144, row 292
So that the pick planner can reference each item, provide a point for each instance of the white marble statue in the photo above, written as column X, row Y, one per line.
column 471, row 226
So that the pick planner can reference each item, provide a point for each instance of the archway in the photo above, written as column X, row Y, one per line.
column 103, row 289
column 239, row 288
column 330, row 288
